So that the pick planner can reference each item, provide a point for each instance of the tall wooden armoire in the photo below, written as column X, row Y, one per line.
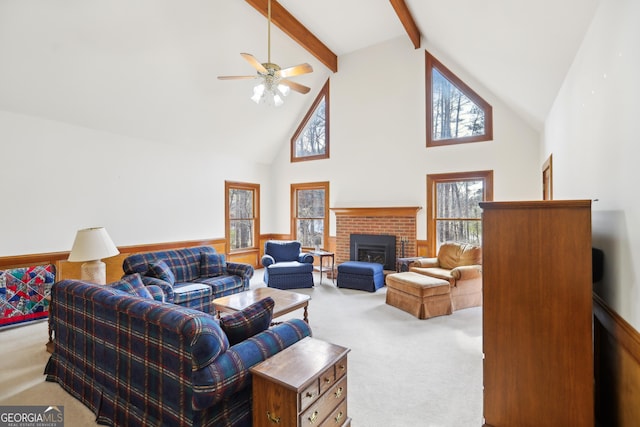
column 537, row 314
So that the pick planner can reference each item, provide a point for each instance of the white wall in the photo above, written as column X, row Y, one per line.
column 592, row 133
column 56, row 178
column 378, row 147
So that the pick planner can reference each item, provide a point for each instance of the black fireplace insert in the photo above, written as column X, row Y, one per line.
column 379, row 248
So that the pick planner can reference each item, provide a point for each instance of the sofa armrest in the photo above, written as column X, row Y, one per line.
column 267, row 260
column 166, row 287
column 426, row 262
column 156, row 292
column 229, row 372
column 305, row 257
column 466, row 272
column 239, row 269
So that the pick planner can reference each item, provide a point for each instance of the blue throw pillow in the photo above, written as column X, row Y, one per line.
column 246, row 323
column 132, row 284
column 212, row 265
column 160, row 270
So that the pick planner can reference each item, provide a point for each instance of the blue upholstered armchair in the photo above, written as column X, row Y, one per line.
column 285, row 266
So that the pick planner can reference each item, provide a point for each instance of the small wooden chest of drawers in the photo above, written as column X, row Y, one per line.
column 303, row 385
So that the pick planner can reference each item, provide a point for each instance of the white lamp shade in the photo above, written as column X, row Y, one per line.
column 92, row 244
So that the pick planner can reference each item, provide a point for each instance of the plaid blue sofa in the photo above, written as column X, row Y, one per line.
column 196, row 275
column 141, row 362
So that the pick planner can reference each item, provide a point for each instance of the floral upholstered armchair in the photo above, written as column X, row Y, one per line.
column 461, row 265
column 286, row 266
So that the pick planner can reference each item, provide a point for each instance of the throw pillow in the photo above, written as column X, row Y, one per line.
column 246, row 323
column 160, row 270
column 212, row 265
column 132, row 284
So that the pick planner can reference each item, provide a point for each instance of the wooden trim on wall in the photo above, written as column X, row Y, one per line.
column 617, row 367
column 68, row 270
column 422, row 248
column 17, row 261
column 409, row 211
column 547, row 178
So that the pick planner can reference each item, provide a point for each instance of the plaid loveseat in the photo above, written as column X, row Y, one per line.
column 195, row 275
column 140, row 362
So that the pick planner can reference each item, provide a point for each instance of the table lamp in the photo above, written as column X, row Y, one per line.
column 90, row 246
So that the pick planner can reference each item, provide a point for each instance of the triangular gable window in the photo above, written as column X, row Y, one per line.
column 455, row 113
column 311, row 139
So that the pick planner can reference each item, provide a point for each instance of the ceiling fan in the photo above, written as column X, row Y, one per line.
column 274, row 83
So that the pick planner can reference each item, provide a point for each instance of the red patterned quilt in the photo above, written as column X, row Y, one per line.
column 23, row 292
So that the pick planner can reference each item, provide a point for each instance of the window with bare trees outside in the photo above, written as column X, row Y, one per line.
column 454, row 214
column 243, row 220
column 311, row 139
column 310, row 213
column 455, row 113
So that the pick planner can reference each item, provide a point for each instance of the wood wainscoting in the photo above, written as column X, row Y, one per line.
column 617, row 368
column 71, row 270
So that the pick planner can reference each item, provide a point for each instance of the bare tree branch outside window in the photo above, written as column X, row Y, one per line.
column 310, row 217
column 241, row 218
column 458, row 215
column 454, row 114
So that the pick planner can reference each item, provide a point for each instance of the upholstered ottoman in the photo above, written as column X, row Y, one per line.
column 420, row 295
column 363, row 276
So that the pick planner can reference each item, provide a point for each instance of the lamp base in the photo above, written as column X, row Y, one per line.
column 94, row 271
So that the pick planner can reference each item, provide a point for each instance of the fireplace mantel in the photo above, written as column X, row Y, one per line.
column 410, row 211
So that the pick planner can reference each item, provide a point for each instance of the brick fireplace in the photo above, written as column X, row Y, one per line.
column 395, row 221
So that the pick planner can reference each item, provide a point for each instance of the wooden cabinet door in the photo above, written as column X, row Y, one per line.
column 537, row 317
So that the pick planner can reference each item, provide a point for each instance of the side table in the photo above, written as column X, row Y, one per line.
column 402, row 264
column 314, row 393
column 322, row 255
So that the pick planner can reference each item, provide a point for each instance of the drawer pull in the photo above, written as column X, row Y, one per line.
column 342, row 367
column 338, row 392
column 275, row 420
column 339, row 417
column 309, row 394
column 313, row 417
column 327, row 380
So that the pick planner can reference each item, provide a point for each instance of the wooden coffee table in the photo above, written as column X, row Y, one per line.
column 285, row 301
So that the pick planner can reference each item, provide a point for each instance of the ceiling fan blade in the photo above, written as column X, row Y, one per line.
column 296, row 70
column 295, row 86
column 236, row 77
column 254, row 62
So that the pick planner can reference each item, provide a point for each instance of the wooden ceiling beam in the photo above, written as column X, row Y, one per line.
column 298, row 32
column 407, row 21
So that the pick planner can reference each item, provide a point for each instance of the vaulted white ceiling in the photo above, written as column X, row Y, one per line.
column 147, row 68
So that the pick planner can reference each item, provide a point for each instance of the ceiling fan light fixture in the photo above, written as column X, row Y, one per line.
column 274, row 83
column 270, row 94
column 283, row 89
column 258, row 93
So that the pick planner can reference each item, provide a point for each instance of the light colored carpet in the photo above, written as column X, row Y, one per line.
column 403, row 372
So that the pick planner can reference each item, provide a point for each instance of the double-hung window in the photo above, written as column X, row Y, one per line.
column 243, row 218
column 454, row 214
column 310, row 213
